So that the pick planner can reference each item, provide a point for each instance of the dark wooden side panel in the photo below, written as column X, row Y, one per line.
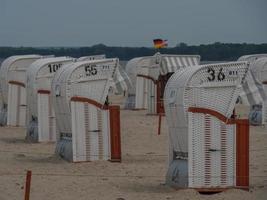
column 242, row 153
column 115, row 134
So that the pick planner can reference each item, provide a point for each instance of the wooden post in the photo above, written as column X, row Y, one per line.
column 115, row 138
column 159, row 127
column 242, row 153
column 28, row 185
column 158, row 98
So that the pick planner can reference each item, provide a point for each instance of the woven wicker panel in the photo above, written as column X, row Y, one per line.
column 22, row 106
column 139, row 93
column 43, row 118
column 196, row 154
column 94, row 89
column 142, row 84
column 122, row 82
column 229, row 135
column 177, row 123
column 4, row 71
column 264, row 113
column 46, row 119
column 90, row 132
column 252, row 57
column 79, row 130
column 52, row 121
column 106, row 135
column 145, row 94
column 100, row 135
column 94, row 57
column 17, row 75
column 101, row 79
column 40, row 75
column 223, row 93
column 13, row 105
column 93, row 133
column 132, row 69
column 259, row 68
column 152, row 97
column 141, row 98
column 87, row 135
column 60, row 109
column 211, row 155
column 264, row 71
column 9, row 68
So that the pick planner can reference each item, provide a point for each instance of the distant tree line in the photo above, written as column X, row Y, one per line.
column 210, row 52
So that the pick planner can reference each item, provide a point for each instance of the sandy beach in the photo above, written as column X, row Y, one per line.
column 140, row 175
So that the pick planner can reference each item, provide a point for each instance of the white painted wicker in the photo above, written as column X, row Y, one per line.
column 16, row 107
column 13, row 63
column 259, row 69
column 40, row 108
column 211, row 152
column 215, row 87
column 90, row 132
column 252, row 57
column 141, row 94
column 94, row 57
column 148, row 74
column 80, row 122
column 13, row 80
column 255, row 92
column 121, row 82
column 132, row 70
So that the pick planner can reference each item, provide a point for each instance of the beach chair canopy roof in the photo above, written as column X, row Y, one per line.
column 39, row 78
column 122, row 81
column 132, row 69
column 13, row 63
column 159, row 64
column 252, row 57
column 86, row 79
column 93, row 57
column 259, row 68
column 173, row 63
column 253, row 91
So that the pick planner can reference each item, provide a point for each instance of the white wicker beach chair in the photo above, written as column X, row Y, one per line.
column 149, row 69
column 131, row 70
column 84, row 122
column 41, row 124
column 13, row 80
column 199, row 102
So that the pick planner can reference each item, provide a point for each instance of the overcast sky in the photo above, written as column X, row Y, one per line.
column 131, row 22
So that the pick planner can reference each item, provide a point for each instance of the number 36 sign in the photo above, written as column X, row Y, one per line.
column 220, row 74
